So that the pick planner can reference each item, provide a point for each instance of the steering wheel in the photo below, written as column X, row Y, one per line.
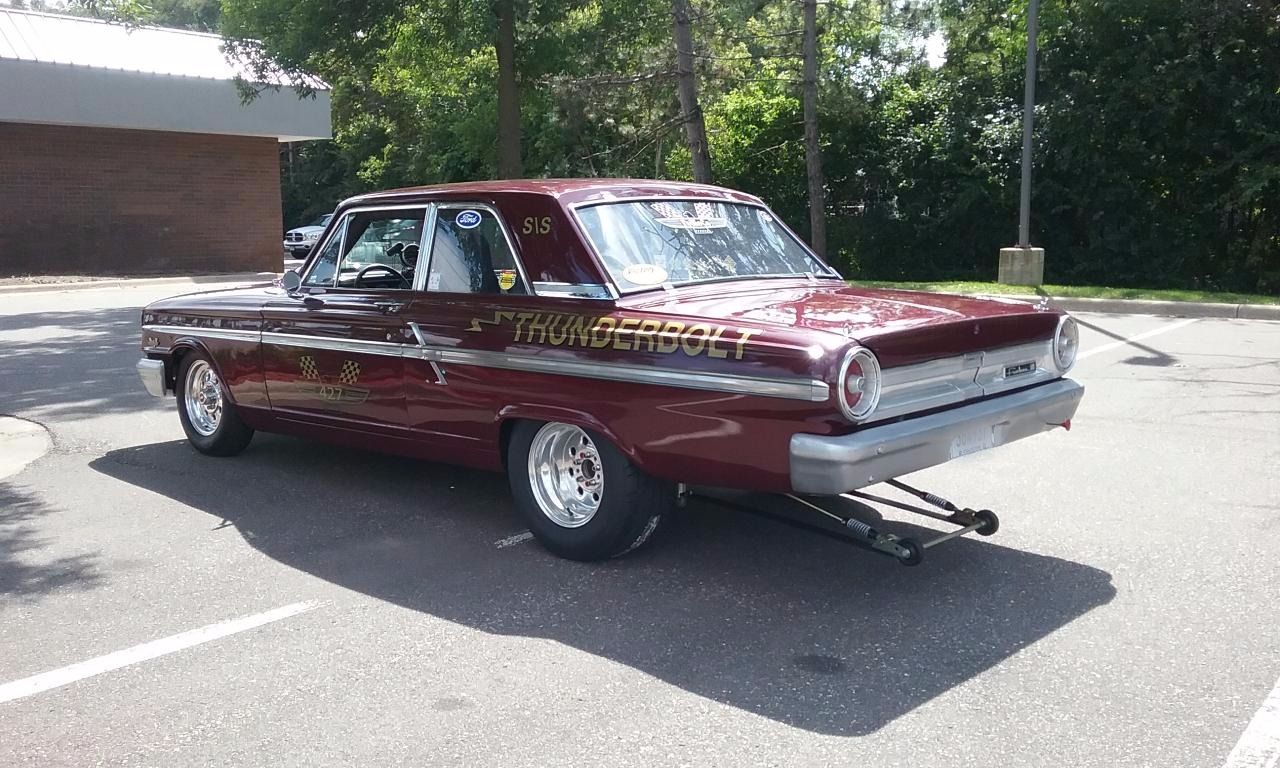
column 360, row 275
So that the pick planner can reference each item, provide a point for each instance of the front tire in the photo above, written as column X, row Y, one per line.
column 581, row 497
column 207, row 414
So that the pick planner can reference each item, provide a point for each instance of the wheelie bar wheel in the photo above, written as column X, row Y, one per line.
column 990, row 523
column 915, row 552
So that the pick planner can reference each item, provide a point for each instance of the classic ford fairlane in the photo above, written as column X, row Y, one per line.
column 610, row 345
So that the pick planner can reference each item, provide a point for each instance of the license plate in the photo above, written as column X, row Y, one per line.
column 972, row 441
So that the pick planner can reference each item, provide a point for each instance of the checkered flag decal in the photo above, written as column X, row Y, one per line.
column 350, row 372
column 308, row 365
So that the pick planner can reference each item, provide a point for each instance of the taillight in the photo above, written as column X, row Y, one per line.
column 1066, row 343
column 859, row 381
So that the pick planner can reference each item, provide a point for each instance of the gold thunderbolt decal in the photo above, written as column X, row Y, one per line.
column 627, row 334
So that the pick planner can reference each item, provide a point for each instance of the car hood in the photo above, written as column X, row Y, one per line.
column 304, row 230
column 901, row 327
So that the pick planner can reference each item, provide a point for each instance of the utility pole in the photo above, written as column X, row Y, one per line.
column 812, row 146
column 1028, row 125
column 1024, row 264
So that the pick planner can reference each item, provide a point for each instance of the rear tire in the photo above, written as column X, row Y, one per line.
column 205, row 409
column 581, row 497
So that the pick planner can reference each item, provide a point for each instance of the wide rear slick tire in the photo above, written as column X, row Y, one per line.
column 205, row 409
column 581, row 497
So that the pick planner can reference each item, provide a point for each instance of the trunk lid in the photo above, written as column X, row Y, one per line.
column 900, row 327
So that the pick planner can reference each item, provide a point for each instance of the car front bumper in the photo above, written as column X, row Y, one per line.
column 824, row 464
column 152, row 373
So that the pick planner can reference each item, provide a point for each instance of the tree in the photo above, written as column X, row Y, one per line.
column 687, row 86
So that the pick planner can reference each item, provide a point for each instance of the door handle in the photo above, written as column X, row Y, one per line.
column 389, row 307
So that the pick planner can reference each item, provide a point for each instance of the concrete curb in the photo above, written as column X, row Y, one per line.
column 1162, row 308
column 141, row 282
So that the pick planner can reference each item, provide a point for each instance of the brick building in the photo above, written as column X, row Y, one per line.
column 130, row 151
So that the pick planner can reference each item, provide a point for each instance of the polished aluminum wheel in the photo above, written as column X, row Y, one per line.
column 566, row 475
column 202, row 397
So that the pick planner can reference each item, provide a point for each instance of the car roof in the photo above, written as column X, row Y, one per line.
column 568, row 191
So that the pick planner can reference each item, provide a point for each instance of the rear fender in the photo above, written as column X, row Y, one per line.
column 578, row 418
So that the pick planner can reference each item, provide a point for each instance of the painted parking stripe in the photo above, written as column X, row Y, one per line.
column 1259, row 746
column 1138, row 337
column 57, row 678
column 513, row 540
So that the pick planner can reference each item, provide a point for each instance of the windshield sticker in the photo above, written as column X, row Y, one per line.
column 506, row 279
column 644, row 274
column 467, row 219
column 701, row 220
column 627, row 334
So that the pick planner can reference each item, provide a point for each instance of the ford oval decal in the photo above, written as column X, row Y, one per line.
column 468, row 219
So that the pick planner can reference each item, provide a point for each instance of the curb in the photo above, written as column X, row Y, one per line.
column 1162, row 308
column 141, row 282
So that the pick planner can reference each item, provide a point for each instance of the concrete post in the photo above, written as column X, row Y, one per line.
column 1021, row 266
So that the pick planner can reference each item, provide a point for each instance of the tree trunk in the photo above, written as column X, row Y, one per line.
column 509, row 163
column 812, row 150
column 695, row 130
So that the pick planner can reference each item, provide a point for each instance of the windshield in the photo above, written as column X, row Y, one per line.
column 323, row 221
column 647, row 243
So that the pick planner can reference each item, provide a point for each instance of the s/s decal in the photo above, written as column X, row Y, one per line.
column 627, row 334
column 335, row 390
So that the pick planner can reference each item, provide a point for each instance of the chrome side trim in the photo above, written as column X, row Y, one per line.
column 230, row 334
column 790, row 389
column 354, row 346
column 813, row 391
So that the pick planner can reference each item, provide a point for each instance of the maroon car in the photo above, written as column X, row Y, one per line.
column 609, row 345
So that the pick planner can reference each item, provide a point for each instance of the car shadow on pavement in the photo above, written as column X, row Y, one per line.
column 741, row 610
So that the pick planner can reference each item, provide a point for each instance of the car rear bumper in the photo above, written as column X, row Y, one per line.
column 152, row 373
column 823, row 464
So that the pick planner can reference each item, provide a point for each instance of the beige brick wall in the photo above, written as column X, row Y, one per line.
column 100, row 201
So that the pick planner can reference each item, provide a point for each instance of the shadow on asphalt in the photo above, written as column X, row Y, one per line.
column 742, row 610
column 25, row 572
column 75, row 366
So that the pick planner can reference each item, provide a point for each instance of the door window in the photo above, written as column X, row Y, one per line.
column 471, row 253
column 373, row 249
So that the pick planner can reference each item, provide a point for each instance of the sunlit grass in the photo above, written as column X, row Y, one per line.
column 1075, row 291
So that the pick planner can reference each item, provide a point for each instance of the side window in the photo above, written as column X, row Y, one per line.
column 375, row 249
column 326, row 263
column 471, row 254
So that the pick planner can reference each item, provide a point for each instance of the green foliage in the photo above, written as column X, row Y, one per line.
column 1157, row 142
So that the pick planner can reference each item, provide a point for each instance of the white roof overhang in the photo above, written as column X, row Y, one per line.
column 72, row 71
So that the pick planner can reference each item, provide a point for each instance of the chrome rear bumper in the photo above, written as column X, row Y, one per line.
column 152, row 373
column 823, row 464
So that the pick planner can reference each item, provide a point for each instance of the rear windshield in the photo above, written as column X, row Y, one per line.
column 649, row 243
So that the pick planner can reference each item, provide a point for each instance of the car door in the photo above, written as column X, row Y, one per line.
column 471, row 271
column 332, row 351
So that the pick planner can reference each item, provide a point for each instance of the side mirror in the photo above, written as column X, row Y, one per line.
column 291, row 281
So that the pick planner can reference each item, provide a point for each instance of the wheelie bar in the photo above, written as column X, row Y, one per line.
column 907, row 550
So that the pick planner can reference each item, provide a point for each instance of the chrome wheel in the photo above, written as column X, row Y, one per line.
column 566, row 474
column 202, row 397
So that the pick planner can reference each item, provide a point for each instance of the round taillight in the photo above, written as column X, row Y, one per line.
column 1066, row 343
column 859, row 384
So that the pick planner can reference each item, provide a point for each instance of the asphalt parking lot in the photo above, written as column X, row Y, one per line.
column 309, row 604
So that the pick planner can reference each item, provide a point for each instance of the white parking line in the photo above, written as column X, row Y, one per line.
column 1259, row 745
column 513, row 540
column 56, row 678
column 1138, row 337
